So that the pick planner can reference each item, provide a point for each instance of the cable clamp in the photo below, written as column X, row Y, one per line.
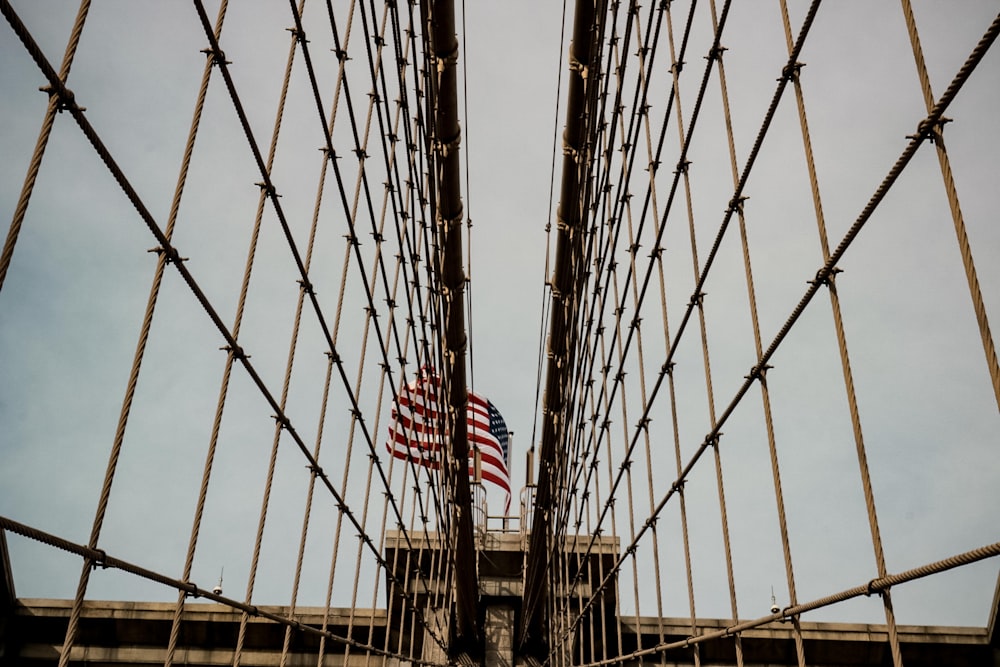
column 173, row 257
column 268, row 189
column 66, row 98
column 171, row 254
column 306, row 287
column 218, row 56
column 99, row 560
column 736, row 203
column 790, row 72
column 682, row 166
column 697, row 299
column 668, row 367
column 236, row 351
column 299, row 35
column 928, row 129
column 825, row 277
column 758, row 372
column 715, row 53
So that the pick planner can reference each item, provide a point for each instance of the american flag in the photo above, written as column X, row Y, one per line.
column 418, row 432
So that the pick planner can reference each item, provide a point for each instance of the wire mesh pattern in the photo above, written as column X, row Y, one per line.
column 715, row 195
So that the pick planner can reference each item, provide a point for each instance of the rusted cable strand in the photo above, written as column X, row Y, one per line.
column 100, row 558
column 758, row 347
column 604, row 255
column 282, row 400
column 273, row 196
column 874, row 586
column 6, row 256
column 639, row 109
column 670, row 198
column 824, row 272
column 667, row 366
column 376, row 74
column 867, row 489
column 958, row 220
column 350, row 439
column 131, row 385
column 174, row 258
column 608, row 130
column 673, row 189
column 377, row 101
column 707, row 367
column 413, row 184
column 625, row 435
column 924, row 131
column 331, row 155
column 24, row 198
column 608, row 251
column 376, row 66
column 158, row 276
column 658, row 262
column 750, row 161
column 675, row 431
column 640, row 362
column 324, row 402
column 414, row 178
column 419, row 192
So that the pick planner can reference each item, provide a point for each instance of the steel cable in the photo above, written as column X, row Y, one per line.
column 102, row 559
column 823, row 273
column 951, row 190
column 173, row 256
column 24, row 198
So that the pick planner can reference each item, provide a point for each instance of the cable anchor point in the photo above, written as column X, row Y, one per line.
column 791, row 71
column 825, row 276
column 66, row 98
column 218, row 56
column 236, row 351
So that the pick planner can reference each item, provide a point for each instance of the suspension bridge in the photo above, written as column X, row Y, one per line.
column 274, row 272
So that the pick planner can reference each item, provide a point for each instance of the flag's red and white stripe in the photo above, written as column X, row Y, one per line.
column 418, row 432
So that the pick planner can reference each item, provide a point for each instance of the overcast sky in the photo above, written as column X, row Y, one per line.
column 72, row 302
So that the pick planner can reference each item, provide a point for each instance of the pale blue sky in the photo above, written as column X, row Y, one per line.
column 72, row 302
